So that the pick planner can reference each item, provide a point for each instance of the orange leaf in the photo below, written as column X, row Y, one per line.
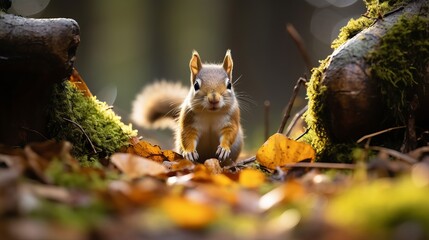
column 188, row 214
column 78, row 83
column 279, row 150
column 251, row 178
column 179, row 165
column 154, row 152
column 135, row 166
column 201, row 173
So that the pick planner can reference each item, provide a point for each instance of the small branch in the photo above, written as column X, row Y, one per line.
column 404, row 157
column 346, row 166
column 378, row 133
column 295, row 120
column 243, row 163
column 303, row 134
column 83, row 131
column 410, row 136
column 290, row 104
column 267, row 105
column 34, row 131
column 296, row 37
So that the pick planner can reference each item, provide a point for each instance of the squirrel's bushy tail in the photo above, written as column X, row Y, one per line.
column 158, row 104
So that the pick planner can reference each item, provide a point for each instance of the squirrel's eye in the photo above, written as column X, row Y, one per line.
column 228, row 85
column 197, row 84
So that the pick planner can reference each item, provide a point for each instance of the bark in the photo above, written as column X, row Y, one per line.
column 34, row 55
column 353, row 101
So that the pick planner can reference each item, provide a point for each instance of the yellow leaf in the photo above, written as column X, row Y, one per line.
column 222, row 180
column 188, row 214
column 251, row 178
column 134, row 166
column 279, row 150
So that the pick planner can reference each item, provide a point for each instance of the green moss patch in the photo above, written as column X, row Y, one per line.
column 315, row 91
column 87, row 123
column 375, row 9
column 400, row 62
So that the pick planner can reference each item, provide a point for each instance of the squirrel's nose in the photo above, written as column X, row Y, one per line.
column 213, row 98
column 213, row 101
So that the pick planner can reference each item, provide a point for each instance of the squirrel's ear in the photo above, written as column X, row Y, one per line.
column 195, row 65
column 227, row 63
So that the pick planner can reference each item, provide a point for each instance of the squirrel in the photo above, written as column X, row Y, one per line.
column 205, row 117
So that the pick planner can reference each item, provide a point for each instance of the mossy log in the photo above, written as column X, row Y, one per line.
column 34, row 55
column 349, row 95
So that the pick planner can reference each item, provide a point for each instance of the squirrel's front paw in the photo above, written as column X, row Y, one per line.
column 223, row 153
column 190, row 155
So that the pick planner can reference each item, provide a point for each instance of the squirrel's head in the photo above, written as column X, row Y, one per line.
column 211, row 84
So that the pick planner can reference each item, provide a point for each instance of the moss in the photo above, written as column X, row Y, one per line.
column 316, row 118
column 67, row 175
column 375, row 10
column 382, row 206
column 82, row 121
column 316, row 93
column 81, row 217
column 399, row 64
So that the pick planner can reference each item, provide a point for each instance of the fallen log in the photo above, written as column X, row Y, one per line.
column 34, row 55
column 371, row 81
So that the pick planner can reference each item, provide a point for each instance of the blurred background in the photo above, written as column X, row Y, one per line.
column 128, row 44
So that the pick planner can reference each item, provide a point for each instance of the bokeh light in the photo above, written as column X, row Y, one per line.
column 342, row 3
column 29, row 7
column 322, row 23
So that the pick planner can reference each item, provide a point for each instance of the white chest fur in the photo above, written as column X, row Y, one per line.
column 209, row 127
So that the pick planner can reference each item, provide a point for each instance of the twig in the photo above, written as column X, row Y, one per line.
column 347, row 166
column 290, row 104
column 267, row 105
column 300, row 44
column 34, row 131
column 83, row 131
column 404, row 157
column 295, row 120
column 243, row 163
column 378, row 133
column 410, row 136
column 303, row 134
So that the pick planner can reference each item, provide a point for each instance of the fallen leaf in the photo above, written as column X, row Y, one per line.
column 291, row 191
column 279, row 150
column 171, row 155
column 214, row 194
column 126, row 195
column 201, row 174
column 179, row 165
column 153, row 152
column 134, row 166
column 251, row 178
column 222, row 180
column 79, row 84
column 188, row 214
